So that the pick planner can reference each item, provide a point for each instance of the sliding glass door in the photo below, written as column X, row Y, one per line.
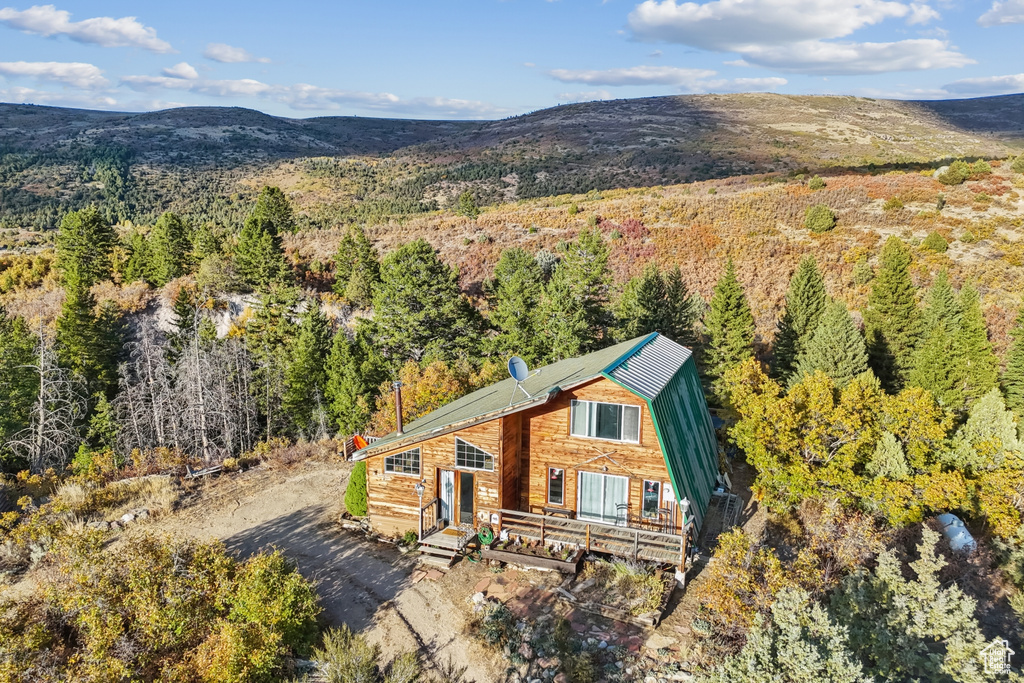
column 602, row 498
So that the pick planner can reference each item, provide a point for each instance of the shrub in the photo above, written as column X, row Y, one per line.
column 573, row 209
column 410, row 538
column 1018, row 164
column 862, row 272
column 935, row 242
column 981, row 167
column 968, row 237
column 892, row 204
column 956, row 173
column 982, row 197
column 940, row 202
column 819, row 218
column 816, row 183
column 355, row 494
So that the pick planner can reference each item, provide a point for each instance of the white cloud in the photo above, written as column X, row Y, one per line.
column 585, row 96
column 305, row 97
column 19, row 95
column 74, row 74
column 1003, row 12
column 47, row 20
column 823, row 58
column 226, row 54
column 989, row 85
column 794, row 35
column 687, row 80
column 636, row 75
column 181, row 70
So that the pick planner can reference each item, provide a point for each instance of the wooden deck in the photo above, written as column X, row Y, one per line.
column 451, row 538
column 620, row 541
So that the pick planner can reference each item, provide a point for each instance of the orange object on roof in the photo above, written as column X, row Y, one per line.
column 359, row 441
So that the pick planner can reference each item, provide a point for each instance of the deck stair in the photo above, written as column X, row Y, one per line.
column 442, row 548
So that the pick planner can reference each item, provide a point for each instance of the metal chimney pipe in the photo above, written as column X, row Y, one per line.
column 398, row 407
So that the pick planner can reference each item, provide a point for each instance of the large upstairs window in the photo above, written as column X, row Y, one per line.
column 468, row 456
column 610, row 421
column 406, row 462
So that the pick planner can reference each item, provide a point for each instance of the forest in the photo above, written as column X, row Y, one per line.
column 861, row 376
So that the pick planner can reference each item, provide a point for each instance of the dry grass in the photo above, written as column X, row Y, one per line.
column 156, row 493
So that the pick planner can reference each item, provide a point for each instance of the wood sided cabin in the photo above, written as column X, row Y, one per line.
column 613, row 452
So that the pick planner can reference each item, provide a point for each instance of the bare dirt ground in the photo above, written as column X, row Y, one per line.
column 367, row 585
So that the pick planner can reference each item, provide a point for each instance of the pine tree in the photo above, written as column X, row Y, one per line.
column 419, row 310
column 347, row 392
column 576, row 297
column 730, row 329
column 169, row 247
column 305, row 378
column 515, row 294
column 939, row 368
column 267, row 333
column 941, row 307
column 889, row 461
column 683, row 310
column 1013, row 376
column 357, row 269
column 259, row 256
column 85, row 243
column 17, row 388
column 805, row 304
column 892, row 319
column 138, row 267
column 88, row 343
column 642, row 307
column 981, row 364
column 836, row 348
column 984, row 441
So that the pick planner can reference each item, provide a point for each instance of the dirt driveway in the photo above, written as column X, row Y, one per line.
column 366, row 585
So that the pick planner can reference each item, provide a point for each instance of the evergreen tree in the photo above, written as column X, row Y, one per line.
column 1013, row 376
column 984, row 441
column 17, row 386
column 419, row 310
column 355, row 492
column 889, row 461
column 467, row 205
column 89, row 343
column 980, row 363
column 204, row 242
column 576, row 297
column 267, row 334
column 805, row 304
column 347, row 393
column 305, row 378
column 836, row 348
column 259, row 256
column 730, row 330
column 85, row 243
column 939, row 368
column 941, row 308
column 892, row 319
column 683, row 310
column 357, row 270
column 642, row 307
column 169, row 246
column 138, row 267
column 515, row 294
column 799, row 644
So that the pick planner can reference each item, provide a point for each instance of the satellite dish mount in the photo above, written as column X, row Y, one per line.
column 520, row 373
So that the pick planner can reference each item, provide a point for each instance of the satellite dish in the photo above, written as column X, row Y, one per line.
column 517, row 368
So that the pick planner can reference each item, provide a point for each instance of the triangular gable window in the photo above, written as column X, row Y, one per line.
column 470, row 457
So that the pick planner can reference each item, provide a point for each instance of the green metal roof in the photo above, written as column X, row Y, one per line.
column 489, row 402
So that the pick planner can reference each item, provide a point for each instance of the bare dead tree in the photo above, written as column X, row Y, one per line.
column 53, row 433
column 144, row 407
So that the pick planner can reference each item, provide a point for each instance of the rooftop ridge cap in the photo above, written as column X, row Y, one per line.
column 629, row 354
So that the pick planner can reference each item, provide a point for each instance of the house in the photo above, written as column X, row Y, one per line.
column 615, row 450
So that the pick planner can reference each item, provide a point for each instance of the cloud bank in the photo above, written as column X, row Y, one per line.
column 47, row 20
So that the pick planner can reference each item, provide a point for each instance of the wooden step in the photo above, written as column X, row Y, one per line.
column 438, row 561
column 437, row 552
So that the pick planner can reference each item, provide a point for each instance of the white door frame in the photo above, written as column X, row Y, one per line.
column 579, row 494
column 449, row 500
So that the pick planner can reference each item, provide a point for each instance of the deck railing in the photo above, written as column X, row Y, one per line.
column 430, row 515
column 621, row 541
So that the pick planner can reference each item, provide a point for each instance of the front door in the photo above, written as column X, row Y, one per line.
column 602, row 498
column 465, row 497
column 446, row 484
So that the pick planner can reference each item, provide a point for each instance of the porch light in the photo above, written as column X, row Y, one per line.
column 419, row 492
column 684, row 507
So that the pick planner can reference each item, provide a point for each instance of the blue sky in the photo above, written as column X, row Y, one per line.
column 495, row 58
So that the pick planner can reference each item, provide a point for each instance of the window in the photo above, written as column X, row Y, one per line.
column 652, row 498
column 556, row 486
column 469, row 456
column 609, row 421
column 406, row 462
